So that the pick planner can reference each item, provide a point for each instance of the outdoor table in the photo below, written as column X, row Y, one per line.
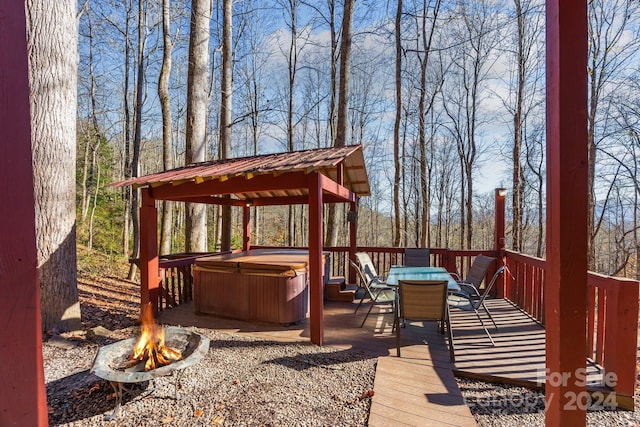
column 399, row 272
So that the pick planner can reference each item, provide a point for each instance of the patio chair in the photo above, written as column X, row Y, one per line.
column 378, row 293
column 416, row 257
column 469, row 298
column 477, row 272
column 424, row 300
column 368, row 268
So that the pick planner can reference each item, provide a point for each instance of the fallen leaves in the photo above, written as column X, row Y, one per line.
column 218, row 420
column 93, row 389
column 366, row 394
column 168, row 419
column 198, row 413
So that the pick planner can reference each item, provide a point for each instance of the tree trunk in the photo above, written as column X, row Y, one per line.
column 225, row 110
column 334, row 71
column 396, row 129
column 292, row 67
column 127, row 191
column 167, row 131
column 95, row 201
column 197, row 101
column 343, row 106
column 345, row 75
column 518, row 122
column 424, row 108
column 52, row 39
column 137, row 137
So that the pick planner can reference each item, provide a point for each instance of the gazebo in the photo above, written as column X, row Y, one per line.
column 312, row 177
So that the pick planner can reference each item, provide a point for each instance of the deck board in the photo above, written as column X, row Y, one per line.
column 519, row 354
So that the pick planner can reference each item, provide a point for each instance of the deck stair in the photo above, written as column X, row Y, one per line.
column 338, row 290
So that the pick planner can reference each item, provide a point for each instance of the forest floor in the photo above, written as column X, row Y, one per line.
column 110, row 310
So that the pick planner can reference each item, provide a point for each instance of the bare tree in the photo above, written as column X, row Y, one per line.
column 127, row 124
column 476, row 37
column 92, row 138
column 343, row 105
column 225, row 110
column 396, row 126
column 609, row 51
column 252, row 76
column 196, row 126
column 167, row 130
column 425, row 104
column 52, row 41
column 137, row 134
column 292, row 70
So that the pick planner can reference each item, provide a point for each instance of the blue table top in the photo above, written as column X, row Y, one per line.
column 420, row 273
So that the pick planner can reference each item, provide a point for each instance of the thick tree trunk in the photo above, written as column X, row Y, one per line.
column 53, row 44
column 197, row 101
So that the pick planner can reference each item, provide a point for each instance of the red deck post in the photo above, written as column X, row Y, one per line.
column 316, row 297
column 566, row 275
column 620, row 347
column 22, row 389
column 149, row 279
column 499, row 241
column 246, row 227
column 353, row 239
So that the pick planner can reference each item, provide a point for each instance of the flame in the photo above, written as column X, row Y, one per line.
column 150, row 346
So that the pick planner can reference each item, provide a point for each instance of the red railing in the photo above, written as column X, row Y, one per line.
column 383, row 258
column 525, row 285
column 176, row 279
column 612, row 331
column 612, row 318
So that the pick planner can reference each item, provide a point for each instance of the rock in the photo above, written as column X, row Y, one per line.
column 61, row 342
column 98, row 331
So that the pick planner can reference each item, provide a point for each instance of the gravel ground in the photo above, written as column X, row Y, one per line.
column 496, row 405
column 245, row 381
column 242, row 381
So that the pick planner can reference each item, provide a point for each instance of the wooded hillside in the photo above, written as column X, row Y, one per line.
column 446, row 97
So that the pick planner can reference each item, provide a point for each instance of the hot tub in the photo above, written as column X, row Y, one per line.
column 261, row 285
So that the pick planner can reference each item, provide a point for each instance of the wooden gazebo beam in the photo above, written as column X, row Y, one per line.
column 149, row 279
column 239, row 184
column 316, row 291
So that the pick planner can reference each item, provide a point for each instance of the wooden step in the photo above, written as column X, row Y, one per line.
column 336, row 290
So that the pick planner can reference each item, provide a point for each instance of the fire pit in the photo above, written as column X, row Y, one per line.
column 115, row 364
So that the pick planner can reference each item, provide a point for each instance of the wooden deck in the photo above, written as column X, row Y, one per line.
column 419, row 388
column 519, row 354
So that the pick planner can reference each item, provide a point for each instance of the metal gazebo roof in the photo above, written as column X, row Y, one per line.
column 278, row 178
